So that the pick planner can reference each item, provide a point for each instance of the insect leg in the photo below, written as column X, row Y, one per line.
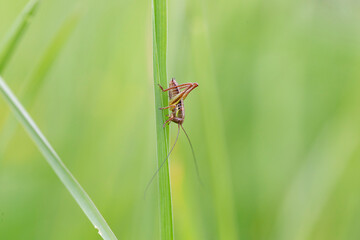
column 172, row 106
column 186, row 93
column 181, row 86
column 182, row 95
column 168, row 121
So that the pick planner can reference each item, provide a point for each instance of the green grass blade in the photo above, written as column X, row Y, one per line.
column 50, row 55
column 56, row 164
column 10, row 41
column 38, row 76
column 160, row 77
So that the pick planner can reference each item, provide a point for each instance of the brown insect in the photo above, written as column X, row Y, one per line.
column 177, row 95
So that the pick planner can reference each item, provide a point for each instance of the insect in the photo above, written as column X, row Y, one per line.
column 177, row 95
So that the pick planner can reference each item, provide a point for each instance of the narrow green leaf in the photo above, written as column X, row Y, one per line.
column 10, row 41
column 160, row 77
column 50, row 55
column 56, row 164
column 38, row 76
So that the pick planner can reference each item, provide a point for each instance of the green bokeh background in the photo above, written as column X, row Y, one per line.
column 275, row 121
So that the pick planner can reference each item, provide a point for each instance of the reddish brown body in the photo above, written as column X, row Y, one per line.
column 178, row 113
column 177, row 95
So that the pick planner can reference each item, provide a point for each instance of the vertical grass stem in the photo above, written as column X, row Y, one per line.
column 160, row 77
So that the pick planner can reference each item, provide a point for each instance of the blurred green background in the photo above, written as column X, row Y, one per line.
column 275, row 121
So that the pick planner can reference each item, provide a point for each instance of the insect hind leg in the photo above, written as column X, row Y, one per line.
column 168, row 121
column 172, row 106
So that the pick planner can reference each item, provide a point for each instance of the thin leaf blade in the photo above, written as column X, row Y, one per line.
column 56, row 164
column 11, row 40
column 160, row 77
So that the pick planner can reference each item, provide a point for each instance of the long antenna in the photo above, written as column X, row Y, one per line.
column 193, row 153
column 157, row 171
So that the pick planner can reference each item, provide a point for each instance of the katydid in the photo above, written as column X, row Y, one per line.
column 177, row 95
